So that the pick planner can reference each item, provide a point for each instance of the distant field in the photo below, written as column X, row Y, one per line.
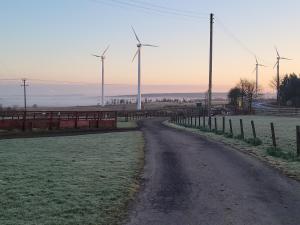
column 85, row 179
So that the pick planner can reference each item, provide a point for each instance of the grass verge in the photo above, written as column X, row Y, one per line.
column 85, row 179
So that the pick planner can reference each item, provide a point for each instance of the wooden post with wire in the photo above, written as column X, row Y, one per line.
column 230, row 126
column 242, row 129
column 273, row 136
column 253, row 129
column 298, row 140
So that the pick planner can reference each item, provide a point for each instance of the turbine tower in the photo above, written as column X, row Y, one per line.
column 257, row 65
column 278, row 73
column 102, row 73
column 138, row 53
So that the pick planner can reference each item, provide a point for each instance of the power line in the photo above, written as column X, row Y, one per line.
column 57, row 81
column 237, row 40
column 155, row 6
column 8, row 79
column 152, row 9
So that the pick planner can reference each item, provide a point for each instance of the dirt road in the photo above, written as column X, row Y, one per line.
column 189, row 180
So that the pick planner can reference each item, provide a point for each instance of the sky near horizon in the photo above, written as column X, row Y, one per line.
column 54, row 40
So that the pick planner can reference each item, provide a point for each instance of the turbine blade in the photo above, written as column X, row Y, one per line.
column 262, row 65
column 275, row 65
column 96, row 55
column 135, row 55
column 256, row 60
column 105, row 50
column 150, row 45
column 254, row 70
column 277, row 51
column 137, row 38
column 285, row 58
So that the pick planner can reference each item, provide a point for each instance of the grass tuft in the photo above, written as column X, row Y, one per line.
column 279, row 153
column 218, row 132
column 205, row 129
column 253, row 141
column 239, row 137
column 228, row 135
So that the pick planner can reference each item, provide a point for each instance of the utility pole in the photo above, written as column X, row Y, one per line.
column 24, row 85
column 210, row 65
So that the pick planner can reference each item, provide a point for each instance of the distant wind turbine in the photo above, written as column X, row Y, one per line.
column 102, row 61
column 278, row 72
column 138, row 53
column 257, row 65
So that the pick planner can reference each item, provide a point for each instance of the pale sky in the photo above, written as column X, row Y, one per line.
column 53, row 40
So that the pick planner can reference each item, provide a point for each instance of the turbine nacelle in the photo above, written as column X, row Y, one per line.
column 139, row 44
column 257, row 65
column 102, row 57
column 279, row 58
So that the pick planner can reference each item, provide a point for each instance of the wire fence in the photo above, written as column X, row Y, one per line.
column 271, row 131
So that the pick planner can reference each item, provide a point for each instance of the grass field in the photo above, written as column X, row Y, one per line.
column 285, row 129
column 85, row 179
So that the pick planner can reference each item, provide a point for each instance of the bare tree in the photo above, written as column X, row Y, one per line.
column 273, row 82
column 248, row 93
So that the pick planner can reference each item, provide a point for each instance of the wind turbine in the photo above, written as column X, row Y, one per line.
column 278, row 72
column 102, row 61
column 138, row 53
column 257, row 65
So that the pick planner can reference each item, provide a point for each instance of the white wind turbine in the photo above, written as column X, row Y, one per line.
column 257, row 65
column 102, row 61
column 278, row 72
column 138, row 53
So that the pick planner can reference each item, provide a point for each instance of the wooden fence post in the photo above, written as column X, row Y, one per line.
column 223, row 120
column 253, row 129
column 204, row 120
column 199, row 122
column 209, row 122
column 24, row 121
column 298, row 140
column 76, row 120
column 273, row 136
column 230, row 126
column 242, row 129
column 50, row 121
column 216, row 125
